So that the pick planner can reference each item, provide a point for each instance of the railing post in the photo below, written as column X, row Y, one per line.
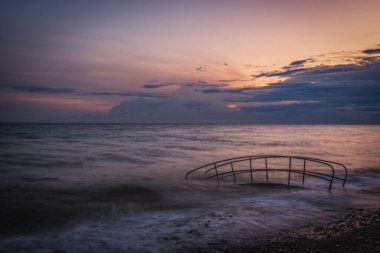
column 266, row 169
column 250, row 165
column 290, row 166
column 303, row 174
column 345, row 176
column 233, row 172
column 332, row 177
column 216, row 173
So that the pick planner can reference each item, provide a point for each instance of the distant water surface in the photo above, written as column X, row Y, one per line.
column 121, row 187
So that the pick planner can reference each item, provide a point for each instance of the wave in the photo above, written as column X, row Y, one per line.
column 30, row 209
column 41, row 163
column 121, row 158
column 40, row 179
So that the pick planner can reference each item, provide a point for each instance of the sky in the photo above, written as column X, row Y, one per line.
column 201, row 61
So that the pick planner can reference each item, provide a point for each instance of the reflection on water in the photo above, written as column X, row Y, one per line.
column 115, row 187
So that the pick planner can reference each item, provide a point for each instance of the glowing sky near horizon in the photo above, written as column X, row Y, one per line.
column 69, row 58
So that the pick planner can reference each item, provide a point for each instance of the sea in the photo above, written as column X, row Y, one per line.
column 122, row 187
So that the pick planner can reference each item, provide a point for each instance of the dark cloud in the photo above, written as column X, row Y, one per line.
column 212, row 90
column 330, row 69
column 297, row 107
column 323, row 94
column 158, row 85
column 218, row 90
column 129, row 94
column 42, row 89
column 349, row 89
column 319, row 70
column 280, row 73
column 300, row 62
column 371, row 51
column 152, row 86
column 317, row 113
column 335, row 95
column 195, row 105
column 201, row 68
column 144, row 110
column 185, row 105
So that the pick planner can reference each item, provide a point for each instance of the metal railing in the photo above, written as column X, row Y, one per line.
column 227, row 168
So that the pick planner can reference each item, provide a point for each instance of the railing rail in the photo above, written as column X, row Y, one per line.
column 218, row 174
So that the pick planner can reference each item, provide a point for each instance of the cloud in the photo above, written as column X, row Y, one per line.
column 237, row 90
column 294, row 108
column 144, row 110
column 42, row 89
column 129, row 94
column 185, row 105
column 350, row 88
column 318, row 70
column 250, row 66
column 152, row 86
column 201, row 68
column 195, row 105
column 203, row 85
column 300, row 62
column 279, row 73
column 371, row 51
column 232, row 80
column 158, row 85
column 52, row 90
column 347, row 93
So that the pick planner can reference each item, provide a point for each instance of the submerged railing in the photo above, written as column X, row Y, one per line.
column 228, row 168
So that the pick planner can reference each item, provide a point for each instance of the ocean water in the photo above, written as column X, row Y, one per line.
column 121, row 187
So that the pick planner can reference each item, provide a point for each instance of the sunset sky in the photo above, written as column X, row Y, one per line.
column 166, row 61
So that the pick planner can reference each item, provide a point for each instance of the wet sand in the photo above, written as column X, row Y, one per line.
column 358, row 230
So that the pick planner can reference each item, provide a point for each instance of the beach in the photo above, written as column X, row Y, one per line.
column 357, row 231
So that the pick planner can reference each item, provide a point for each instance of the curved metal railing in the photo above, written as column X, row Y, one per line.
column 226, row 168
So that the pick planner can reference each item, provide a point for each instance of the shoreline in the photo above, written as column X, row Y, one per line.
column 356, row 231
